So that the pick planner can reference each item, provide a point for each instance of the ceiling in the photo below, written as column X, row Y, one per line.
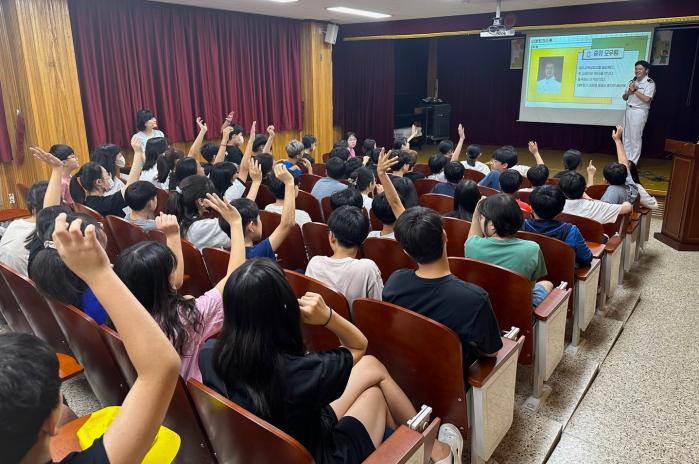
column 399, row 9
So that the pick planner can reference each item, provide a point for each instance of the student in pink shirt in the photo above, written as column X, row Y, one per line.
column 70, row 163
column 154, row 272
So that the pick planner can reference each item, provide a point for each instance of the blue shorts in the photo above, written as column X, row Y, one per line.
column 538, row 294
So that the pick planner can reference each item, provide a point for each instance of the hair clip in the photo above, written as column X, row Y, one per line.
column 49, row 244
column 178, row 190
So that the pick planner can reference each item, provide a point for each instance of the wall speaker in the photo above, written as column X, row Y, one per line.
column 331, row 33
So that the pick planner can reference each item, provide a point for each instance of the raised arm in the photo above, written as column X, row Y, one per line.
column 475, row 229
column 157, row 364
column 620, row 152
column 413, row 133
column 195, row 149
column 139, row 158
column 270, row 139
column 247, row 156
column 314, row 311
column 256, row 175
column 534, row 150
column 232, row 217
column 389, row 189
column 53, row 191
column 167, row 224
column 227, row 122
column 591, row 170
column 288, row 209
column 221, row 153
column 457, row 151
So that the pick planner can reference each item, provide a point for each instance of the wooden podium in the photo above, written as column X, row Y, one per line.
column 681, row 220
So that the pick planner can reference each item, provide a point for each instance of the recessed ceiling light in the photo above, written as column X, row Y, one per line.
column 354, row 11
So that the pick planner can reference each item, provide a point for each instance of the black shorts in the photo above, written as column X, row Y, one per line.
column 351, row 442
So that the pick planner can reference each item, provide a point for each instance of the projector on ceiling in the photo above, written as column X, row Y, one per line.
column 498, row 28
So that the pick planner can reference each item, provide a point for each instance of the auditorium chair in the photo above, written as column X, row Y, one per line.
column 162, row 196
column 319, row 169
column 291, row 254
column 157, row 236
column 196, row 280
column 112, row 248
column 315, row 237
column 307, row 181
column 472, row 174
column 560, row 266
column 406, row 445
column 308, row 203
column 457, row 233
column 238, row 436
column 216, row 262
column 327, row 208
column 264, row 197
column 388, row 256
column 315, row 337
column 101, row 370
column 525, row 183
column 524, row 196
column 181, row 417
column 125, row 234
column 633, row 235
column 23, row 190
column 553, row 181
column 511, row 297
column 10, row 308
column 422, row 169
column 406, row 343
column 487, row 191
column 374, row 222
column 596, row 191
column 424, row 186
column 440, row 203
column 325, row 157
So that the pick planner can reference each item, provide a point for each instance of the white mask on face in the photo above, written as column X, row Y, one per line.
column 109, row 184
column 120, row 161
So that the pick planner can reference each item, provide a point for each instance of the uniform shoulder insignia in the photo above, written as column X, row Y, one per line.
column 650, row 80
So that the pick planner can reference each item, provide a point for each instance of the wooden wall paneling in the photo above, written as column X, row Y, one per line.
column 317, row 85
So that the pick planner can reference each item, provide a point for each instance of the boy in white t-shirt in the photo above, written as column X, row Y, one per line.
column 277, row 188
column 573, row 186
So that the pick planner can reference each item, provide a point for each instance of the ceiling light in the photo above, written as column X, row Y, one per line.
column 354, row 11
column 284, row 1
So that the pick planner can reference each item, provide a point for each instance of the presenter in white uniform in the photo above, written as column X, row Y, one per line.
column 638, row 95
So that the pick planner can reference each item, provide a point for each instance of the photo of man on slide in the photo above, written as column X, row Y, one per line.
column 550, row 69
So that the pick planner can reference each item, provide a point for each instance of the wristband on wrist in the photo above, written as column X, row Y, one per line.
column 329, row 317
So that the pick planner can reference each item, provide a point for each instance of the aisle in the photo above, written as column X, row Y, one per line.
column 643, row 406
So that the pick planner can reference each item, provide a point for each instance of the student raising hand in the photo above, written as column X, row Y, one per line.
column 385, row 163
column 167, row 224
column 82, row 254
column 232, row 217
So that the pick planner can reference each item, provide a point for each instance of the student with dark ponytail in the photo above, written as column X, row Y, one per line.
column 363, row 180
column 474, row 152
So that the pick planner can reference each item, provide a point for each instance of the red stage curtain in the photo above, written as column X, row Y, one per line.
column 5, row 145
column 364, row 88
column 182, row 62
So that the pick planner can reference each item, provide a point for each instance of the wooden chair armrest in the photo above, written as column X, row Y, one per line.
column 13, row 213
column 582, row 273
column 597, row 249
column 635, row 216
column 66, row 441
column 632, row 227
column 482, row 368
column 398, row 448
column 612, row 244
column 643, row 210
column 68, row 367
column 550, row 303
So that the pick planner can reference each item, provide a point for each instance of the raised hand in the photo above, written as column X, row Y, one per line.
column 201, row 124
column 47, row 157
column 255, row 172
column 314, row 311
column 616, row 134
column 270, row 131
column 533, row 147
column 136, row 145
column 83, row 254
column 385, row 163
column 462, row 132
column 253, row 128
column 167, row 224
column 413, row 131
column 229, row 118
column 222, row 207
column 283, row 174
column 591, row 169
column 226, row 133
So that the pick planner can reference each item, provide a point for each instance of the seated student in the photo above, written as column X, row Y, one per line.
column 294, row 151
column 435, row 292
column 45, row 221
column 109, row 156
column 547, row 202
column 208, row 152
column 354, row 278
column 190, row 208
column 411, row 173
column 165, row 166
column 13, row 252
column 491, row 238
column 400, row 143
column 521, row 168
column 368, row 146
column 352, row 165
column 647, row 200
column 453, row 173
column 398, row 195
column 142, row 198
column 363, row 181
column 252, row 225
column 309, row 146
column 466, row 196
column 503, row 159
column 335, row 169
column 474, row 152
column 224, row 176
column 346, row 197
column 153, row 272
column 402, row 164
column 340, row 151
column 335, row 403
column 187, row 167
column 537, row 175
column 437, row 163
column 30, row 391
column 573, row 187
column 235, row 139
column 510, row 183
column 278, row 189
column 155, row 147
column 621, row 186
column 70, row 163
column 572, row 159
column 89, row 184
column 259, row 143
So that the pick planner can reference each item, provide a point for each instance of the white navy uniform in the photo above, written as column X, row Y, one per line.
column 635, row 118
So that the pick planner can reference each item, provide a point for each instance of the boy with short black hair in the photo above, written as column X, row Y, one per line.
column 437, row 163
column 402, row 164
column 346, row 197
column 411, row 173
column 142, row 198
column 335, row 170
column 453, row 174
column 433, row 291
column 621, row 185
column 354, row 278
column 278, row 189
column 387, row 206
column 573, row 186
column 510, row 183
column 547, row 202
column 309, row 146
column 503, row 159
column 537, row 175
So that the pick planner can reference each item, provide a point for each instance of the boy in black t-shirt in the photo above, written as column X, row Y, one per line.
column 434, row 292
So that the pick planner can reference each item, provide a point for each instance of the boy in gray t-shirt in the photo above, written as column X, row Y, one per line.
column 142, row 198
column 621, row 186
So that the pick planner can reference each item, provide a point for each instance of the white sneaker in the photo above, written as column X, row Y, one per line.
column 449, row 434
